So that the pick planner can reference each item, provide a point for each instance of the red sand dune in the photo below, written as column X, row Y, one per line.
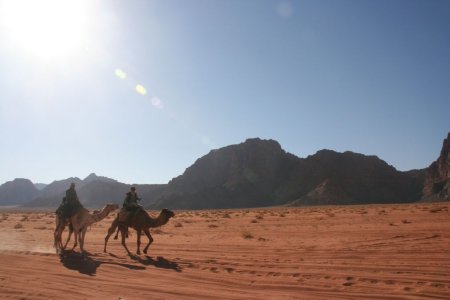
column 340, row 252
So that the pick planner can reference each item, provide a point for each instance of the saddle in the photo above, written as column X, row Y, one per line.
column 125, row 215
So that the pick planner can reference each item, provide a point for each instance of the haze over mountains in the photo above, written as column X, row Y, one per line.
column 257, row 173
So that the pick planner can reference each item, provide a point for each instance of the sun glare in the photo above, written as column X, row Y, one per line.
column 50, row 29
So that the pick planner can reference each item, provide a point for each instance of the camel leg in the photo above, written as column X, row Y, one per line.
column 68, row 237
column 57, row 235
column 138, row 241
column 122, row 233
column 150, row 239
column 82, row 236
column 76, row 238
column 111, row 230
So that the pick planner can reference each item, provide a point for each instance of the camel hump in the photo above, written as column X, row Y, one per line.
column 125, row 214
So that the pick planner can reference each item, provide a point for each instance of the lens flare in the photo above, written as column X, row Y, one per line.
column 120, row 73
column 156, row 102
column 141, row 90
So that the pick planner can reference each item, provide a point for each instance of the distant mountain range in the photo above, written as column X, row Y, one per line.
column 257, row 173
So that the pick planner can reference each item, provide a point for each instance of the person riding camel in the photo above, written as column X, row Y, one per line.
column 70, row 204
column 130, row 202
column 130, row 205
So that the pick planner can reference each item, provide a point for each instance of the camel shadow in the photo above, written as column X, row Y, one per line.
column 160, row 262
column 85, row 264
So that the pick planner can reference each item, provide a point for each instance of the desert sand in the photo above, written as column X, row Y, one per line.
column 339, row 252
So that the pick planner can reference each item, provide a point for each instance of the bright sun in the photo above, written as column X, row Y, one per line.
column 49, row 29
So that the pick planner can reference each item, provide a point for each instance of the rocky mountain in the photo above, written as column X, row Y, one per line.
column 40, row 186
column 244, row 175
column 437, row 176
column 99, row 192
column 329, row 177
column 51, row 195
column 260, row 173
column 17, row 192
column 94, row 191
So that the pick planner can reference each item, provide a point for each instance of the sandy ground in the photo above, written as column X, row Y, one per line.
column 342, row 252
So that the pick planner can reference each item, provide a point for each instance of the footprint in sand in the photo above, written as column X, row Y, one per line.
column 348, row 284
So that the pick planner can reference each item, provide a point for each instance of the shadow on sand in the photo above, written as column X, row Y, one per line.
column 85, row 264
column 160, row 262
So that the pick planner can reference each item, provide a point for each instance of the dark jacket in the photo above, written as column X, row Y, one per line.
column 70, row 204
column 131, row 200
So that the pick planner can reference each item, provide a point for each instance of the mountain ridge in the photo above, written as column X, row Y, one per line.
column 258, row 173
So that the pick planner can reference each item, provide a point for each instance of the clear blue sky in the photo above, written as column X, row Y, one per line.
column 367, row 76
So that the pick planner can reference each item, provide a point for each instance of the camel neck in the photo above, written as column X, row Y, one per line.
column 99, row 216
column 159, row 221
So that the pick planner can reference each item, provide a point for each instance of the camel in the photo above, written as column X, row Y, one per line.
column 79, row 223
column 140, row 221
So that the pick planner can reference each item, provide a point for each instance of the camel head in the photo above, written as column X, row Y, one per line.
column 111, row 207
column 167, row 213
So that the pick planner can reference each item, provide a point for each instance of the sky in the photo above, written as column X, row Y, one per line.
column 138, row 90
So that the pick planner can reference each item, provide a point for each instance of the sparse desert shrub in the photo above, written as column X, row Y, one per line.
column 24, row 218
column 247, row 235
column 254, row 221
column 261, row 239
column 226, row 215
column 18, row 226
column 40, row 227
column 406, row 221
column 178, row 224
column 282, row 215
column 157, row 231
column 259, row 217
column 212, row 226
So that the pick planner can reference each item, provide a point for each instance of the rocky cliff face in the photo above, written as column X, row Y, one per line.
column 93, row 191
column 260, row 173
column 243, row 175
column 18, row 191
column 437, row 176
column 353, row 178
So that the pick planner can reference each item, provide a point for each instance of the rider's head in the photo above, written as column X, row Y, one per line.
column 133, row 189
